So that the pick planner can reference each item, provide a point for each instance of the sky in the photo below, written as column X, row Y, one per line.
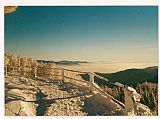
column 104, row 33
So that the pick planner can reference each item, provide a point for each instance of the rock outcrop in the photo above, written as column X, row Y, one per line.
column 45, row 89
column 132, row 105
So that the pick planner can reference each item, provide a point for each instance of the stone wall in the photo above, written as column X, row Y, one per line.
column 49, row 71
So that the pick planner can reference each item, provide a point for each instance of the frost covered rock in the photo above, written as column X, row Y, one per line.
column 132, row 105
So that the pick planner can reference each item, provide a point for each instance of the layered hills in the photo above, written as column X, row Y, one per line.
column 62, row 62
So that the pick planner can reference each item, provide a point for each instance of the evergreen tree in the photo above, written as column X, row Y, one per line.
column 153, row 103
column 139, row 89
column 121, row 93
column 142, row 100
column 146, row 98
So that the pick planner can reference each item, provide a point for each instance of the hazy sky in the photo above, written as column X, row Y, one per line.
column 112, row 34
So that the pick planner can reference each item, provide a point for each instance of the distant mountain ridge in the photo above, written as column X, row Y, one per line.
column 130, row 76
column 62, row 62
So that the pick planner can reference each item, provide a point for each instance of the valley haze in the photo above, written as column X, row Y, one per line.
column 98, row 66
